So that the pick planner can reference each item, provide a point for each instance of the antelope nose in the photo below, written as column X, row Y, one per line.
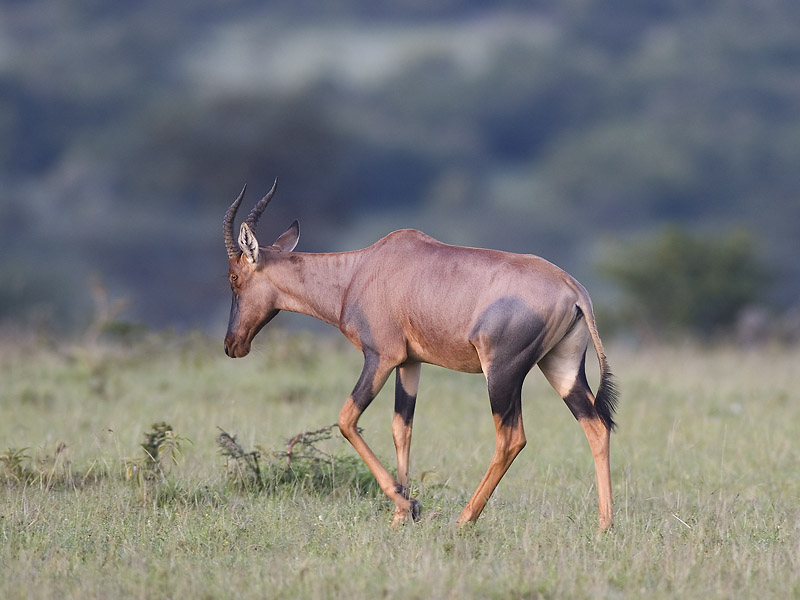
column 227, row 347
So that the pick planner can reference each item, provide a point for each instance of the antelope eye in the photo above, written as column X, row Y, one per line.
column 234, row 277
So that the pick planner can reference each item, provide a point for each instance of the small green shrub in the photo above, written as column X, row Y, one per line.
column 14, row 464
column 159, row 444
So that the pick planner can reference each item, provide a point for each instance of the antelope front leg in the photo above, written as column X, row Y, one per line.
column 404, row 403
column 372, row 379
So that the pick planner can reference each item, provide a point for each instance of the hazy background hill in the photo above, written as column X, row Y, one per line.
column 569, row 129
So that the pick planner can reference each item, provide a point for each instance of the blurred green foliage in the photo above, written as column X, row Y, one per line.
column 681, row 282
column 543, row 127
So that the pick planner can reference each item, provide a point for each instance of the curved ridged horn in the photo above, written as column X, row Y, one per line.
column 252, row 218
column 230, row 243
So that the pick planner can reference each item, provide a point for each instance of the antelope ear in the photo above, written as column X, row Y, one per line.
column 248, row 243
column 288, row 240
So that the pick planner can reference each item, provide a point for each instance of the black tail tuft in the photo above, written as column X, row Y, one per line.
column 605, row 403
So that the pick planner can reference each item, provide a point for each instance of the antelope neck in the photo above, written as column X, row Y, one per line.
column 314, row 284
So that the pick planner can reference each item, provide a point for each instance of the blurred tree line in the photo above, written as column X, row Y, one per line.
column 561, row 128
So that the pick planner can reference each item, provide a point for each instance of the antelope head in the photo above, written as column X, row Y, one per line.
column 254, row 294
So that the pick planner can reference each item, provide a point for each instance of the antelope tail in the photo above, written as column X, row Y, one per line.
column 607, row 398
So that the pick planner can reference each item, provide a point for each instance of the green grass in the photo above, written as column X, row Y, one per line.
column 704, row 467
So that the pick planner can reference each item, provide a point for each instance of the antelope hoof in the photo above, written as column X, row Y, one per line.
column 606, row 525
column 401, row 514
column 416, row 509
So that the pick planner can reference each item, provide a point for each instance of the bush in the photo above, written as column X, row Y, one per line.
column 684, row 282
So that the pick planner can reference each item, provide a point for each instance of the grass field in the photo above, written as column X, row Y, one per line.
column 704, row 467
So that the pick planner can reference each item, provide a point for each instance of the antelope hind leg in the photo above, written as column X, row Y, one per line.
column 404, row 404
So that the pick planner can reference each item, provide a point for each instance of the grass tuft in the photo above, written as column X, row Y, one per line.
column 14, row 461
column 242, row 467
column 302, row 466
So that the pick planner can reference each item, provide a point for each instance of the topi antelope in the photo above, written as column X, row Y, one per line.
column 409, row 299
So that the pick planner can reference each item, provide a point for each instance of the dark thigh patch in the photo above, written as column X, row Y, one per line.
column 513, row 333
